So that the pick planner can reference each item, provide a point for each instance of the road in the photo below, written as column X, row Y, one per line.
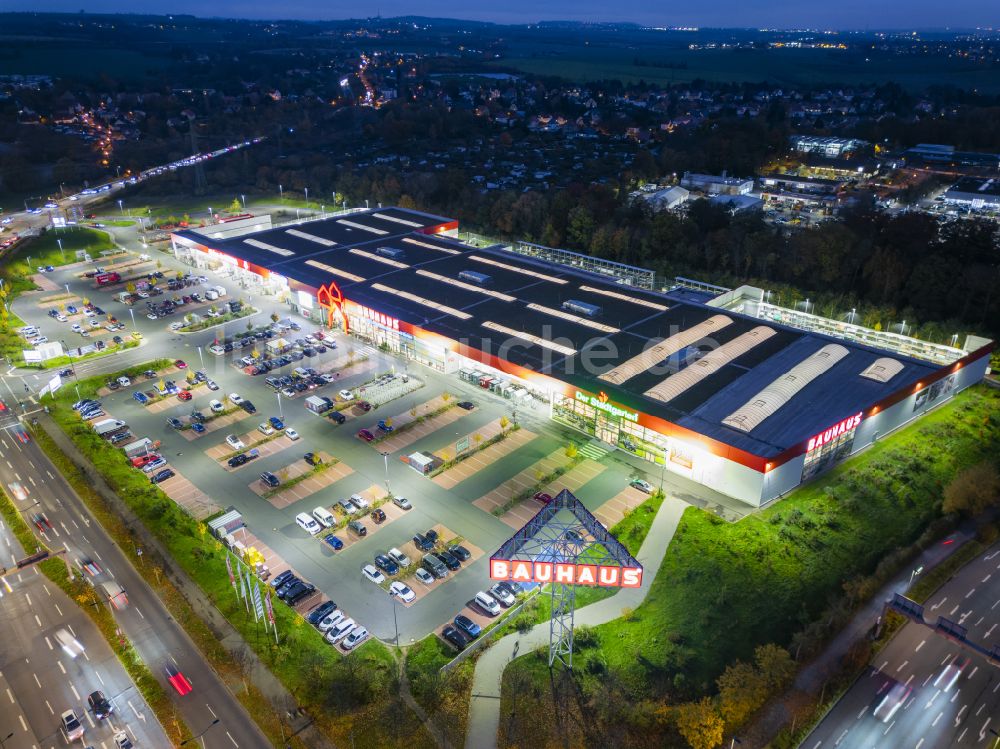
column 157, row 638
column 38, row 681
column 932, row 716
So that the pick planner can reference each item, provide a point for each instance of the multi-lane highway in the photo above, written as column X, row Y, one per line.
column 948, row 696
column 36, row 486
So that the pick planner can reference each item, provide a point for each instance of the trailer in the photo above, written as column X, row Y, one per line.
column 318, row 404
column 107, row 426
column 140, row 447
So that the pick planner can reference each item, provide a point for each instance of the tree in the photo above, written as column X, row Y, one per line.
column 973, row 489
column 274, row 317
column 571, row 450
column 504, row 423
column 741, row 691
column 235, row 206
column 775, row 665
column 130, row 287
column 700, row 724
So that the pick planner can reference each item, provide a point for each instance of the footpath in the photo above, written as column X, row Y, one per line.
column 280, row 698
column 484, row 705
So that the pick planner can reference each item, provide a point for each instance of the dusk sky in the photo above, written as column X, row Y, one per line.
column 840, row 14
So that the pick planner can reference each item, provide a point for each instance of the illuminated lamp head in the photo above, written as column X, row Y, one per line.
column 330, row 298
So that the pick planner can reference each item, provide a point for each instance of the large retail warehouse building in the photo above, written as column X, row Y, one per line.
column 744, row 397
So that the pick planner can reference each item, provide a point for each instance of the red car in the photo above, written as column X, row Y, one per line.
column 543, row 497
column 177, row 680
column 141, row 460
column 184, row 395
column 365, row 435
column 180, row 364
column 41, row 522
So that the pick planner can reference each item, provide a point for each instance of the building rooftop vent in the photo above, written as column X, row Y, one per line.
column 393, row 253
column 480, row 279
column 581, row 308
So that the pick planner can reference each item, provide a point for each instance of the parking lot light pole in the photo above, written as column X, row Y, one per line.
column 280, row 414
column 6, row 738
column 385, row 457
column 132, row 312
column 395, row 623
column 59, row 242
column 120, row 206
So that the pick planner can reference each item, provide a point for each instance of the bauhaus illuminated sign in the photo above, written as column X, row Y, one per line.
column 601, row 404
column 828, row 435
column 566, row 573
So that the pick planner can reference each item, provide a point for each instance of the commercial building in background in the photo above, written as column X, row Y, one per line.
column 717, row 386
column 828, row 146
column 945, row 157
column 974, row 193
column 712, row 184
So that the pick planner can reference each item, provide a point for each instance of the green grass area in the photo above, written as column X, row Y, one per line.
column 346, row 695
column 44, row 250
column 670, row 65
column 724, row 589
column 445, row 696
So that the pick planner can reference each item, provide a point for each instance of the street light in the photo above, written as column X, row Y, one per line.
column 120, row 207
column 6, row 738
column 385, row 457
column 280, row 414
column 395, row 623
column 132, row 312
column 916, row 572
column 244, row 199
column 67, row 288
column 307, row 197
column 281, row 193
column 194, row 738
column 59, row 242
column 201, row 358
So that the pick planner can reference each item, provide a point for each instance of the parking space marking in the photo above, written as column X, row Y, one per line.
column 472, row 465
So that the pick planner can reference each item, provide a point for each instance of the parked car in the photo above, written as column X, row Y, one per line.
column 339, row 631
column 358, row 527
column 503, row 594
column 291, row 434
column 356, row 636
column 365, row 435
column 234, row 442
column 336, row 416
column 249, row 407
column 463, row 554
column 265, row 429
column 422, row 542
column 333, row 542
column 373, row 574
column 312, row 459
column 184, row 395
column 402, row 503
column 543, row 497
column 449, row 559
column 424, row 576
column 643, row 486
column 377, row 516
column 487, row 603
column 385, row 564
column 216, row 406
column 454, row 637
column 163, row 475
column 402, row 591
column 271, row 480
column 320, row 611
column 238, row 460
column 398, row 557
column 466, row 625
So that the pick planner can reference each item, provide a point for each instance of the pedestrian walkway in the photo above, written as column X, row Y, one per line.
column 484, row 705
column 593, row 450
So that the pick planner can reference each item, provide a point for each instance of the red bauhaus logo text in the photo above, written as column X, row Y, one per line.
column 568, row 573
column 828, row 435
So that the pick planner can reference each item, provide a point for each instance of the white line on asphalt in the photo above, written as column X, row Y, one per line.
column 982, row 731
column 50, row 474
column 49, row 707
column 863, row 711
column 908, row 680
column 988, row 558
column 38, row 621
column 931, row 700
column 953, row 610
column 817, row 744
column 36, row 679
column 955, row 696
column 922, row 643
column 10, row 696
column 979, row 621
column 973, row 672
column 996, row 687
column 962, row 734
column 211, row 710
column 946, row 659
column 70, row 628
column 24, row 726
column 18, row 476
column 138, row 612
column 91, row 720
column 32, row 480
column 98, row 673
column 987, row 577
column 48, row 642
column 75, row 524
column 888, row 728
column 67, row 547
column 929, row 677
column 980, row 708
column 61, row 666
column 46, row 588
column 835, row 743
column 58, row 610
column 958, row 718
column 28, row 596
column 995, row 604
column 232, row 739
column 935, row 722
column 920, row 743
column 175, row 661
column 75, row 693
column 901, row 666
column 971, row 591
column 881, row 668
column 10, row 466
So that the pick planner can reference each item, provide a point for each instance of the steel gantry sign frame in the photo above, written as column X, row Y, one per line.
column 566, row 546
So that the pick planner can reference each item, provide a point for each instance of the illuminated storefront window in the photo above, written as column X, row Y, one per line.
column 612, row 424
column 830, row 446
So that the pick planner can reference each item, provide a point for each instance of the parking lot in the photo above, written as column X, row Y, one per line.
column 420, row 406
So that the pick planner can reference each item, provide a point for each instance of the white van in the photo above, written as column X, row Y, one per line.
column 306, row 522
column 69, row 644
column 221, row 291
column 486, row 602
column 211, row 295
column 325, row 517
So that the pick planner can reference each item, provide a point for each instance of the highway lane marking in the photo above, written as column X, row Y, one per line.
column 931, row 676
column 98, row 674
column 980, row 621
column 46, row 589
column 75, row 524
column 36, row 679
column 973, row 672
column 61, row 666
column 206, row 705
column 901, row 666
column 237, row 745
column 85, row 655
column 935, row 722
column 958, row 718
column 962, row 734
column 922, row 643
column 67, row 547
column 50, row 474
column 175, row 661
column 938, row 605
column 32, row 480
column 75, row 693
column 863, row 711
column 987, row 577
column 919, row 744
column 70, row 628
column 889, row 728
column 982, row 731
column 49, row 707
column 28, row 596
column 835, row 743
column 988, row 558
column 881, row 668
column 817, row 744
column 38, row 621
column 58, row 610
column 995, row 604
column 30, row 463
column 907, row 682
column 138, row 612
column 64, row 527
column 963, row 617
column 980, row 708
column 24, row 726
column 91, row 720
column 17, row 475
column 996, row 687
column 48, row 642
column 954, row 610
column 955, row 696
column 971, row 591
column 10, row 696
column 946, row 659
